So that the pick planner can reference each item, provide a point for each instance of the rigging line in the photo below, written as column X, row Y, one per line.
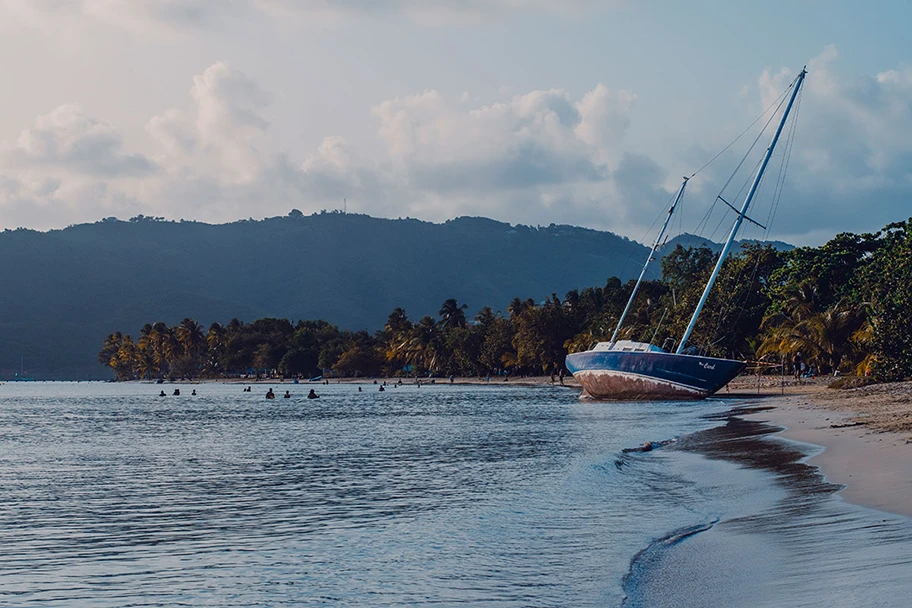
column 778, row 103
column 749, row 127
column 753, row 145
column 787, row 157
column 725, row 309
column 747, row 182
column 738, row 168
column 648, row 230
column 780, row 178
column 777, row 196
column 729, row 303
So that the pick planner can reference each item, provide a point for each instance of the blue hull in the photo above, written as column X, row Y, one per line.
column 650, row 375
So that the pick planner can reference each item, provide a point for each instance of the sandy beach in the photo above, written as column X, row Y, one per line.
column 866, row 433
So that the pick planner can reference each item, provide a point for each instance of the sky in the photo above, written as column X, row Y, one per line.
column 582, row 112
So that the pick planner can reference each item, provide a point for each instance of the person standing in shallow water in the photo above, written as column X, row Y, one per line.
column 270, row 394
column 313, row 394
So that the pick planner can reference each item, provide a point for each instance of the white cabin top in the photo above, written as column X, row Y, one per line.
column 628, row 346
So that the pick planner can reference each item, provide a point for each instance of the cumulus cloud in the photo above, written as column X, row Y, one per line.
column 537, row 157
column 66, row 138
column 535, row 139
column 224, row 134
column 851, row 149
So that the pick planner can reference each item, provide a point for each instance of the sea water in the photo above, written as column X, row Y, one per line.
column 435, row 495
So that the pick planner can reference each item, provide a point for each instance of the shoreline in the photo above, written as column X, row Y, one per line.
column 865, row 435
column 531, row 381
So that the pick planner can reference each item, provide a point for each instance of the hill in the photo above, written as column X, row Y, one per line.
column 65, row 290
column 691, row 240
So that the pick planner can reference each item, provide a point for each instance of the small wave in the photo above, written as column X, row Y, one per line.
column 642, row 560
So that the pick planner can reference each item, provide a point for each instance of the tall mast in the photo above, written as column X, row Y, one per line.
column 741, row 214
column 649, row 258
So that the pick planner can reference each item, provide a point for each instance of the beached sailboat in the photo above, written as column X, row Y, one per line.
column 623, row 369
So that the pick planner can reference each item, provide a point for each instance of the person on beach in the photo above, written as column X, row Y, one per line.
column 270, row 394
column 312, row 394
column 796, row 364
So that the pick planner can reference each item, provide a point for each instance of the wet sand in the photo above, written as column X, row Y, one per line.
column 777, row 537
column 866, row 433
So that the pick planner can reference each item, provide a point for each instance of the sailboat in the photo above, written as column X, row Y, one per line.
column 624, row 369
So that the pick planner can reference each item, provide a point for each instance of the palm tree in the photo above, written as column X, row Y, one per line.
column 829, row 336
column 452, row 315
column 109, row 349
column 422, row 347
column 398, row 322
column 216, row 343
column 190, row 336
column 517, row 306
column 580, row 342
column 486, row 316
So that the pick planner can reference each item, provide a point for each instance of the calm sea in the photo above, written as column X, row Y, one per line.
column 438, row 495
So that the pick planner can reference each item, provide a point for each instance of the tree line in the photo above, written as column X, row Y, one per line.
column 842, row 306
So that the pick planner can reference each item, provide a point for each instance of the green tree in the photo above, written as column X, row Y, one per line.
column 886, row 281
column 452, row 315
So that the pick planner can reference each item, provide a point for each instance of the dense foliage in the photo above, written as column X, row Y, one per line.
column 841, row 307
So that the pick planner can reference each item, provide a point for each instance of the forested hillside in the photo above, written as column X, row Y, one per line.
column 839, row 308
column 63, row 291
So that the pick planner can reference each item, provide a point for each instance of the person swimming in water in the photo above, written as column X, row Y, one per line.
column 162, row 394
column 312, row 394
column 381, row 388
column 270, row 394
column 287, row 395
column 177, row 391
column 194, row 392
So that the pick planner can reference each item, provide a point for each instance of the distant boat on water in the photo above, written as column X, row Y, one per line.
column 624, row 369
column 20, row 375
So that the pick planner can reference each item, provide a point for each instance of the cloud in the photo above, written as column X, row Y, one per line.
column 223, row 135
column 851, row 151
column 428, row 12
column 203, row 14
column 535, row 139
column 537, row 157
column 131, row 14
column 67, row 138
